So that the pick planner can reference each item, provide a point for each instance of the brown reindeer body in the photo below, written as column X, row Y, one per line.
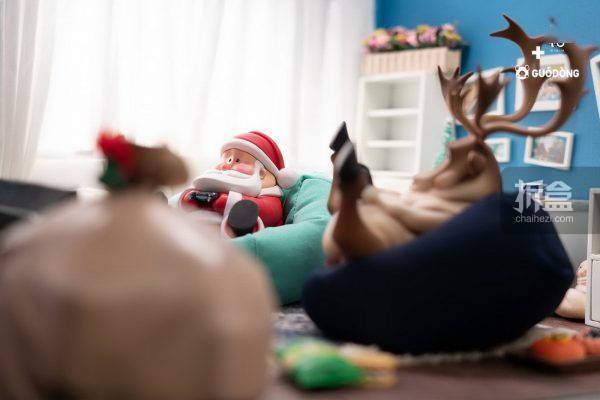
column 367, row 220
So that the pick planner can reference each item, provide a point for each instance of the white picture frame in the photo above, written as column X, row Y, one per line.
column 497, row 107
column 548, row 98
column 501, row 148
column 595, row 68
column 554, row 150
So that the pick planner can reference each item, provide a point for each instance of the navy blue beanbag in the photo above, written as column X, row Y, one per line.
column 476, row 282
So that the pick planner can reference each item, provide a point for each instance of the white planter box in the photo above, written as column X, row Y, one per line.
column 411, row 60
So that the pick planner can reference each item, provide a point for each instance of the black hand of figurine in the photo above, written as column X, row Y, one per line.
column 204, row 198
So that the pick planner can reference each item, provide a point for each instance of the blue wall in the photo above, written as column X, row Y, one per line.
column 577, row 20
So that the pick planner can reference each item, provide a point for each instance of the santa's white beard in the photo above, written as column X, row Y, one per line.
column 223, row 181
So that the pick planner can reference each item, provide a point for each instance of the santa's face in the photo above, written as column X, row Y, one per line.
column 237, row 160
column 237, row 171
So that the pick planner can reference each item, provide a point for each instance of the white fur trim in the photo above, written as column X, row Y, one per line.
column 232, row 198
column 287, row 176
column 274, row 191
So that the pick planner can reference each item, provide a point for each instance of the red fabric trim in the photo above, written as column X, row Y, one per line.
column 266, row 144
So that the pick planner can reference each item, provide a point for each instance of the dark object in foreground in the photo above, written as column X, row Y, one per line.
column 203, row 198
column 19, row 200
column 468, row 285
column 242, row 217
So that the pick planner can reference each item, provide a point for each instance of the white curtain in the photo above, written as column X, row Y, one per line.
column 193, row 72
column 26, row 38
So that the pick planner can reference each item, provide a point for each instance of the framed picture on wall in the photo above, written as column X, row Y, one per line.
column 553, row 150
column 548, row 98
column 595, row 68
column 470, row 90
column 501, row 148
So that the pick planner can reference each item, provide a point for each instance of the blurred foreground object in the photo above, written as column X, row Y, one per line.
column 319, row 364
column 129, row 165
column 125, row 298
column 20, row 200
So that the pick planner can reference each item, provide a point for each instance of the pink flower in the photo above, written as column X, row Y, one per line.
column 411, row 38
column 428, row 35
column 379, row 40
column 400, row 38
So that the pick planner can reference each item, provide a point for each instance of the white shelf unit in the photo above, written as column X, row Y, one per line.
column 592, row 307
column 400, row 121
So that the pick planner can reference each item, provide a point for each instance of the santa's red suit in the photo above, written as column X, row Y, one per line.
column 270, row 210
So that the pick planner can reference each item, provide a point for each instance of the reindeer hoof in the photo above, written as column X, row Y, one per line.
column 340, row 138
column 346, row 166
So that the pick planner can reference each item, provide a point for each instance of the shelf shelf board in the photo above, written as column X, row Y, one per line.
column 392, row 174
column 392, row 112
column 390, row 144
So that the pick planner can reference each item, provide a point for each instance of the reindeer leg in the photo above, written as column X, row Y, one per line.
column 339, row 140
column 336, row 144
column 350, row 232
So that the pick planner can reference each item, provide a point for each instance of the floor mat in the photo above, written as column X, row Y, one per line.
column 292, row 321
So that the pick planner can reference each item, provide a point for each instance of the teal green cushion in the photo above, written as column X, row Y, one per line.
column 291, row 251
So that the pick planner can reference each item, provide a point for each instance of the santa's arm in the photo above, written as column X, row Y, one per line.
column 270, row 209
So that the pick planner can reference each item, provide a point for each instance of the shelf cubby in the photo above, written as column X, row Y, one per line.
column 401, row 120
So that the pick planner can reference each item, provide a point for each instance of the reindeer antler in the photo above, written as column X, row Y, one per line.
column 481, row 125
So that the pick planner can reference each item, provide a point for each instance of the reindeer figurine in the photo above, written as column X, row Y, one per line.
column 367, row 220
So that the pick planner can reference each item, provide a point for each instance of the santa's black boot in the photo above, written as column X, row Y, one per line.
column 243, row 217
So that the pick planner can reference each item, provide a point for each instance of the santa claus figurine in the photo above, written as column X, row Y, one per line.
column 243, row 192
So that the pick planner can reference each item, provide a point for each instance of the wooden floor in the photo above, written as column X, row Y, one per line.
column 491, row 379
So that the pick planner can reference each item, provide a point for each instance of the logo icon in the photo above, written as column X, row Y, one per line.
column 538, row 52
column 553, row 197
column 522, row 71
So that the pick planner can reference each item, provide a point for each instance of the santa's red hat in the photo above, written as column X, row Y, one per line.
column 265, row 150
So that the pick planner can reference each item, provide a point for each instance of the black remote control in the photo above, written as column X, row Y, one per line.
column 204, row 197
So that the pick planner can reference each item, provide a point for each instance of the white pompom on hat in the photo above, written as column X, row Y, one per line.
column 265, row 150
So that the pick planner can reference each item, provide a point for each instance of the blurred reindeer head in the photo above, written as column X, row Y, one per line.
column 471, row 171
